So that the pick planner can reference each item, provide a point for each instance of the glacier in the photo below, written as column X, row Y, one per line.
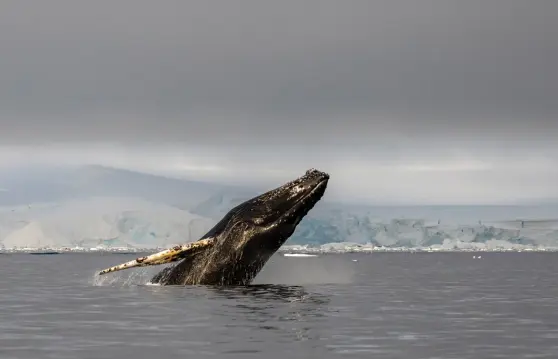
column 98, row 208
column 120, row 222
column 99, row 222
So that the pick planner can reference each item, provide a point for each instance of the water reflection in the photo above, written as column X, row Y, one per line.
column 277, row 292
column 285, row 310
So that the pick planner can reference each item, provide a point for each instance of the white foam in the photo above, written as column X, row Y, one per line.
column 299, row 255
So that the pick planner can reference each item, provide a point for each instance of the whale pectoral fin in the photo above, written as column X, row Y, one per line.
column 167, row 256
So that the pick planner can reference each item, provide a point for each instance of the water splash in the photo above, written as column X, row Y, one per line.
column 138, row 276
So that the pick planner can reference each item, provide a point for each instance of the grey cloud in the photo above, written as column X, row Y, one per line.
column 322, row 72
column 381, row 93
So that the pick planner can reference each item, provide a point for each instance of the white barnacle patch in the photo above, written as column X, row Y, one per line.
column 296, row 190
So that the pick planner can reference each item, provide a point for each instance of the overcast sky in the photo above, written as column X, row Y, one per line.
column 401, row 101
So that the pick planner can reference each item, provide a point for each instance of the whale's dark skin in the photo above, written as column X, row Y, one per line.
column 248, row 235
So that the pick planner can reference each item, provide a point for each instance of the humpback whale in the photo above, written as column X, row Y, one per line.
column 234, row 251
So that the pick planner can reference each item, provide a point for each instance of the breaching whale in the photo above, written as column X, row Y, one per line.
column 234, row 251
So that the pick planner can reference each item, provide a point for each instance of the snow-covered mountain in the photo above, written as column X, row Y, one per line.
column 96, row 206
column 48, row 184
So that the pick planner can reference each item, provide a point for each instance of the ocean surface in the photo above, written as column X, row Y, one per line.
column 380, row 305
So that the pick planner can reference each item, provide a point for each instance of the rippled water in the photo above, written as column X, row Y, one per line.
column 385, row 305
